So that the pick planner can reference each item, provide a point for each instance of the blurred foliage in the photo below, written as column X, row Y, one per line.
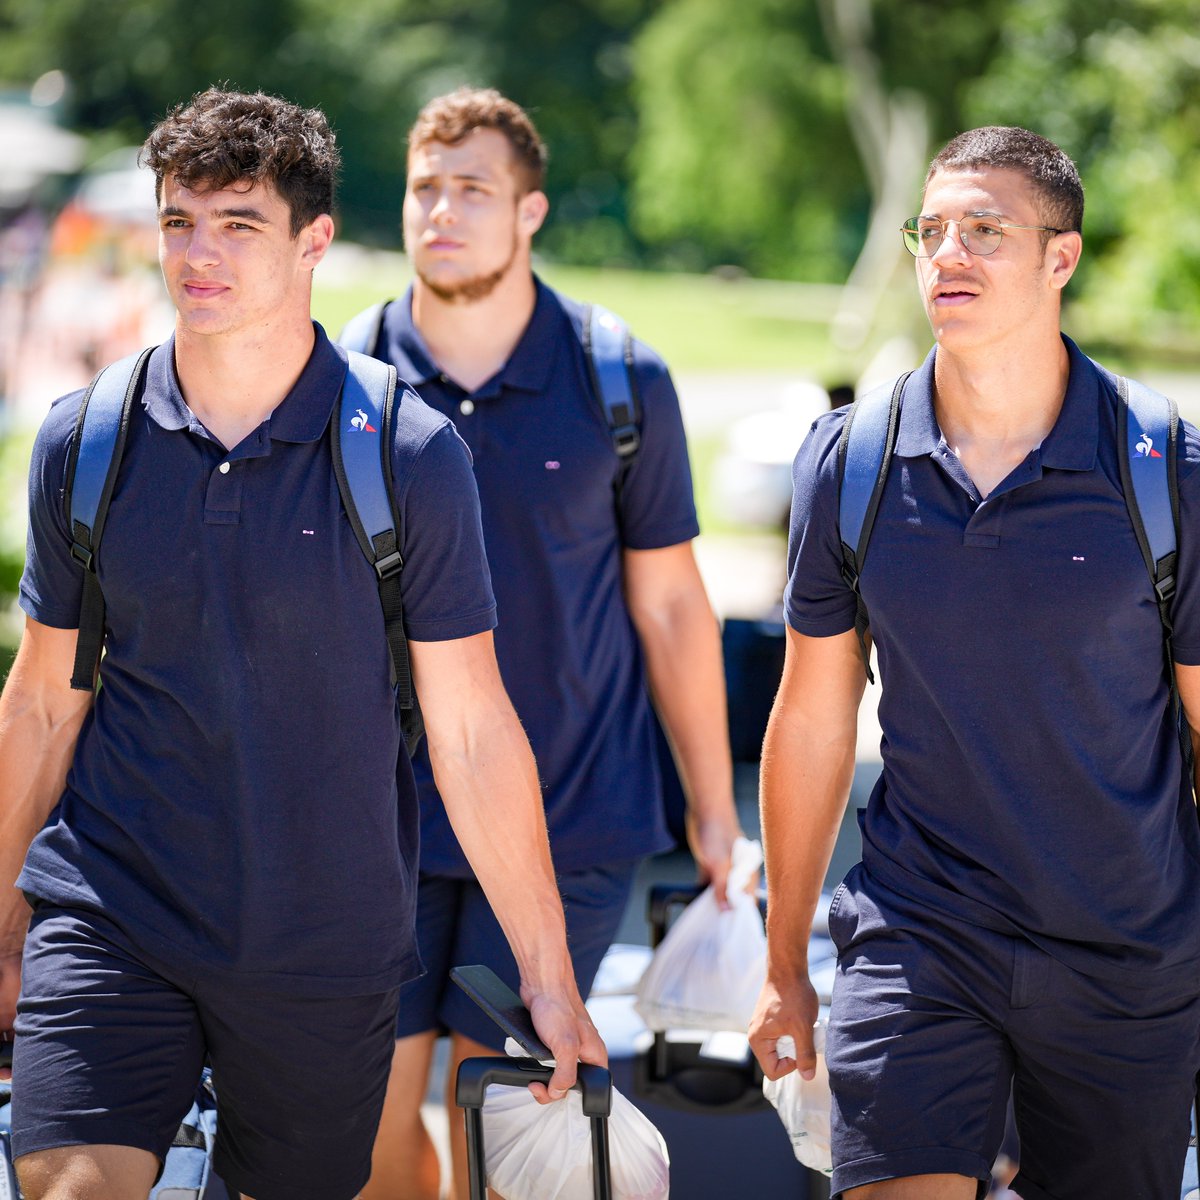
column 370, row 66
column 686, row 134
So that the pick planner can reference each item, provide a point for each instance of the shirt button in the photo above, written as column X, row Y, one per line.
column 467, row 407
column 224, row 468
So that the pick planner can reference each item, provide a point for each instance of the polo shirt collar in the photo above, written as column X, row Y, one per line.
column 1070, row 445
column 302, row 415
column 528, row 367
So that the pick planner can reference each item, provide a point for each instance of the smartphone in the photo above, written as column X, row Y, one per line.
column 503, row 1005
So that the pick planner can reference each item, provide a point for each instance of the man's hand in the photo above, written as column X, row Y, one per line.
column 564, row 1025
column 789, row 1010
column 710, row 840
column 10, row 988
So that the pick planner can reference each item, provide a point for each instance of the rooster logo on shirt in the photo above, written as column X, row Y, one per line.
column 361, row 423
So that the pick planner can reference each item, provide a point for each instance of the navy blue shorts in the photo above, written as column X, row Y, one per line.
column 456, row 927
column 933, row 1021
column 110, row 1045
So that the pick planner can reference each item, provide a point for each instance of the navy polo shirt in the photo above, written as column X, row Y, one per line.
column 555, row 532
column 234, row 801
column 1032, row 776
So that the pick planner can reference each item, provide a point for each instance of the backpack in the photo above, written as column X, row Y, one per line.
column 1146, row 420
column 607, row 347
column 363, row 479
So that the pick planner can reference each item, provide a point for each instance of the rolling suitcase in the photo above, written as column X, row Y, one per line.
column 475, row 1075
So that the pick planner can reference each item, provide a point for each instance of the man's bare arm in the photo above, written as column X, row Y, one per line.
column 682, row 644
column 807, row 769
column 1188, row 681
column 487, row 778
column 40, row 718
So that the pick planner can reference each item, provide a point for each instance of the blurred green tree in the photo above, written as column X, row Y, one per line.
column 1117, row 84
column 370, row 66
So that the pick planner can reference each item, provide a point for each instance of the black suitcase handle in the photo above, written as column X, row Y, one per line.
column 475, row 1075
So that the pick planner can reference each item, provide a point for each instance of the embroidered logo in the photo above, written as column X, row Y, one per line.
column 361, row 423
column 552, row 465
column 1145, row 447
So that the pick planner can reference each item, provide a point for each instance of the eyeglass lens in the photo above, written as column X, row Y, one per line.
column 980, row 235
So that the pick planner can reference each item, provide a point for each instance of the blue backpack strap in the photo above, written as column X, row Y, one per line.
column 1147, row 444
column 608, row 347
column 362, row 332
column 100, row 432
column 361, row 437
column 864, row 456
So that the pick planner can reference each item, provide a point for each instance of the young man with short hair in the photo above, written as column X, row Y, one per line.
column 597, row 588
column 1026, row 914
column 222, row 857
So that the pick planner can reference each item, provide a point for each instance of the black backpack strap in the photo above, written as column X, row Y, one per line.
column 608, row 348
column 864, row 456
column 100, row 432
column 1147, row 454
column 361, row 437
column 364, row 331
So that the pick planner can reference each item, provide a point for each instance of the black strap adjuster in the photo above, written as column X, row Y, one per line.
column 626, row 439
column 82, row 555
column 388, row 565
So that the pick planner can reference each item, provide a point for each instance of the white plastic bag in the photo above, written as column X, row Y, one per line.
column 709, row 969
column 544, row 1152
column 803, row 1105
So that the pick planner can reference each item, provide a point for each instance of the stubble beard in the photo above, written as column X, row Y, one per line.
column 470, row 291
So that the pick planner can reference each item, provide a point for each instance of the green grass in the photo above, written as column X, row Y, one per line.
column 696, row 322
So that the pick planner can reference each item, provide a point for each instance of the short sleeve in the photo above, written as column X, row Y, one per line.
column 817, row 600
column 52, row 582
column 657, row 505
column 446, row 583
column 1186, row 609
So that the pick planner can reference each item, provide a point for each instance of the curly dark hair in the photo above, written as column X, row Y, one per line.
column 450, row 118
column 220, row 137
column 1054, row 176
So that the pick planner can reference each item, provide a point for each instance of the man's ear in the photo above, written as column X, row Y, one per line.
column 1065, row 250
column 531, row 212
column 315, row 240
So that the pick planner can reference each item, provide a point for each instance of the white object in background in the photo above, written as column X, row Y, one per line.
column 709, row 969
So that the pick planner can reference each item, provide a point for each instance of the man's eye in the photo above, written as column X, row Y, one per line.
column 930, row 233
column 987, row 229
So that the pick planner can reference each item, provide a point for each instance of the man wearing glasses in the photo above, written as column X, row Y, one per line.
column 1026, row 916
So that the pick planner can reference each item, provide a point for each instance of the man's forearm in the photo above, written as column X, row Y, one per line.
column 493, row 799
column 682, row 646
column 37, row 742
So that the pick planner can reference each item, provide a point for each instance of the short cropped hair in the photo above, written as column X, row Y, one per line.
column 220, row 138
column 450, row 118
column 1054, row 176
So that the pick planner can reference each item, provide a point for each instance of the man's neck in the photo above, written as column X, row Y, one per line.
column 233, row 383
column 993, row 410
column 470, row 341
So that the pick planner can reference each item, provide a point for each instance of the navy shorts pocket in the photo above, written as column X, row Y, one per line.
column 842, row 917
